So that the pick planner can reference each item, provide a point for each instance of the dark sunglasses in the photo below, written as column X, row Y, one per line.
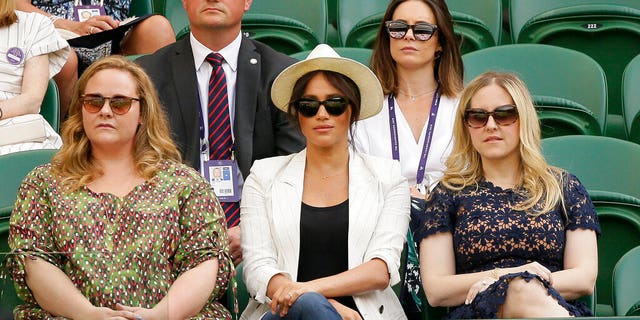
column 422, row 31
column 503, row 115
column 309, row 107
column 119, row 104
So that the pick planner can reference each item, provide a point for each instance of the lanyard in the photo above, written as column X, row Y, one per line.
column 393, row 128
column 204, row 141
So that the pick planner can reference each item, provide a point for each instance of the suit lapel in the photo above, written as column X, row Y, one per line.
column 247, row 86
column 186, row 83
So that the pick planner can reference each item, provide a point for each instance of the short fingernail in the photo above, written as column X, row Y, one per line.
column 466, row 301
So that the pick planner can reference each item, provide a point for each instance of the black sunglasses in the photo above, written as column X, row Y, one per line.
column 422, row 31
column 119, row 104
column 309, row 107
column 503, row 115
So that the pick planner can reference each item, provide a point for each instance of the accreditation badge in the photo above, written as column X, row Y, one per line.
column 223, row 177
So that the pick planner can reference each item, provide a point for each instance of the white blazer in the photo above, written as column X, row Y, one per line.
column 270, row 222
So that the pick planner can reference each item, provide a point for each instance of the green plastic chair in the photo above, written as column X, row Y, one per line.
column 358, row 12
column 566, row 103
column 619, row 217
column 477, row 23
column 174, row 12
column 140, row 8
column 8, row 299
column 626, row 278
column 242, row 294
column 631, row 99
column 50, row 108
column 288, row 26
column 362, row 55
column 13, row 168
column 601, row 163
column 608, row 31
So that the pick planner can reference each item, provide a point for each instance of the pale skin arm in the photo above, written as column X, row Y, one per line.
column 99, row 23
column 187, row 295
column 34, row 86
column 371, row 275
column 445, row 288
column 56, row 294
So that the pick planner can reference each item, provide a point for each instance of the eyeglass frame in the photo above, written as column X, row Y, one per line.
column 413, row 29
column 492, row 114
column 128, row 107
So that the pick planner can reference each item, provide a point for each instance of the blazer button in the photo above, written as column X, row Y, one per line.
column 381, row 309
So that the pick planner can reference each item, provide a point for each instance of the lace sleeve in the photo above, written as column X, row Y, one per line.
column 581, row 213
column 438, row 215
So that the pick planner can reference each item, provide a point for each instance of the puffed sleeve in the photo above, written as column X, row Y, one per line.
column 439, row 214
column 44, row 39
column 581, row 213
column 29, row 226
column 203, row 235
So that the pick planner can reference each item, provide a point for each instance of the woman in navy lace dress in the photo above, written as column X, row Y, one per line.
column 505, row 235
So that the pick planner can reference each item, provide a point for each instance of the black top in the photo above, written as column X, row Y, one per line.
column 324, row 235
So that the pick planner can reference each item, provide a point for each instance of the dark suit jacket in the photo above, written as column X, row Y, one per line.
column 260, row 129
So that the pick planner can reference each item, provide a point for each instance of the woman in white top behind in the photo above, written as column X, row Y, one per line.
column 323, row 229
column 31, row 52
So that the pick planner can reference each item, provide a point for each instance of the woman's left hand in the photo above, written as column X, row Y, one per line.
column 143, row 313
column 479, row 286
column 287, row 295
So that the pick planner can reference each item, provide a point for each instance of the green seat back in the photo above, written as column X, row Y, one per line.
column 13, row 168
column 281, row 33
column 626, row 277
column 631, row 99
column 361, row 55
column 174, row 12
column 242, row 294
column 352, row 13
column 568, row 103
column 311, row 13
column 50, row 108
column 140, row 8
column 478, row 22
column 608, row 31
column 619, row 217
column 8, row 299
column 601, row 163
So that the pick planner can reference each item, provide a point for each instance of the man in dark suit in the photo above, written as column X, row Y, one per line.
column 181, row 74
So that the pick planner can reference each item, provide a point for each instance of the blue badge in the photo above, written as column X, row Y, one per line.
column 15, row 55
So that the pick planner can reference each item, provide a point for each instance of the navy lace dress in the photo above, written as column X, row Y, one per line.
column 488, row 234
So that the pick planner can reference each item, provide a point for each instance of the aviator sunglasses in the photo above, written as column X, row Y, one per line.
column 309, row 107
column 119, row 104
column 503, row 115
column 422, row 31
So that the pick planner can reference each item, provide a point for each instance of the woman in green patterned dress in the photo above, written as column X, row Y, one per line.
column 116, row 227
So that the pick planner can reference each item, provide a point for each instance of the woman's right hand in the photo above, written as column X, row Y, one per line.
column 102, row 313
column 92, row 25
column 533, row 267
column 345, row 312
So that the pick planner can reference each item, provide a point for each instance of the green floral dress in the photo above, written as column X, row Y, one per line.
column 120, row 250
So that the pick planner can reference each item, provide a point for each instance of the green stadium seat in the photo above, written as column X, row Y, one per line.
column 50, row 108
column 174, row 12
column 608, row 31
column 601, row 163
column 566, row 103
column 352, row 13
column 140, row 8
column 303, row 23
column 619, row 217
column 631, row 99
column 13, row 168
column 362, row 55
column 626, row 293
column 8, row 299
column 478, row 24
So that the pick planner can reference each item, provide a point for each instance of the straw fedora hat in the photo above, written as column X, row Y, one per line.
column 323, row 57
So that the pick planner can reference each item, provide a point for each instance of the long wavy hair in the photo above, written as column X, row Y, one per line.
column 448, row 66
column 540, row 181
column 153, row 143
column 7, row 13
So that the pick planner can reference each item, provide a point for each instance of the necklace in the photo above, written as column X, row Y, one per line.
column 414, row 97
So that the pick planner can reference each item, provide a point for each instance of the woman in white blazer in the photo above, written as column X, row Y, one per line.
column 323, row 229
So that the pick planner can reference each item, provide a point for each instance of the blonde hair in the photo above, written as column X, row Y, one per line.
column 7, row 13
column 152, row 145
column 540, row 181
